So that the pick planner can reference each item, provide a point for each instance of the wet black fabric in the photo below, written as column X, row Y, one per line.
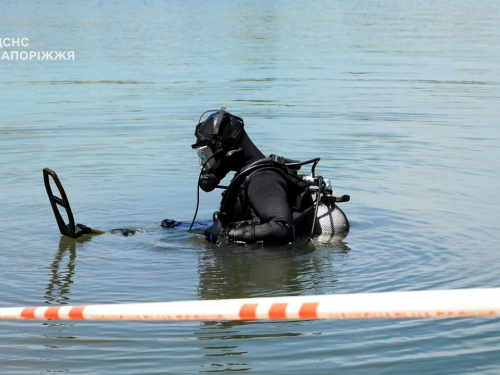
column 268, row 198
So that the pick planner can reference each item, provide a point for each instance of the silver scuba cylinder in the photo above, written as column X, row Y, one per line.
column 330, row 220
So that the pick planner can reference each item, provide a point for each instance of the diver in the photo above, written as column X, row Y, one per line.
column 266, row 201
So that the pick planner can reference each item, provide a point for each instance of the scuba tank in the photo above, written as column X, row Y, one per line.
column 329, row 220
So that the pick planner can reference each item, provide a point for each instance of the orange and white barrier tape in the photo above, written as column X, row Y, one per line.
column 417, row 304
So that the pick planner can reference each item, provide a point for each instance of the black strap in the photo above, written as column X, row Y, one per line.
column 218, row 120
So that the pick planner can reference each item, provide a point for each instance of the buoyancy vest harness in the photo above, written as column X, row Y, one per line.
column 235, row 196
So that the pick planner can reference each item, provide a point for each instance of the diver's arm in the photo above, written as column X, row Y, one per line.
column 268, row 196
column 277, row 232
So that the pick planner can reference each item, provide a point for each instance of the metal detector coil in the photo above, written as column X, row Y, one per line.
column 71, row 229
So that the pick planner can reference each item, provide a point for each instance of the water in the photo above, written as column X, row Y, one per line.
column 399, row 99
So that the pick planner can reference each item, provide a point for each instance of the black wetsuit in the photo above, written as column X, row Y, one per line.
column 269, row 205
column 267, row 194
column 266, row 206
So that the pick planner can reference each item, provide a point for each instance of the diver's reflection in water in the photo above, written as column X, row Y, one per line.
column 245, row 272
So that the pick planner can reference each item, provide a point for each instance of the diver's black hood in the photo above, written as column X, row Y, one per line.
column 232, row 144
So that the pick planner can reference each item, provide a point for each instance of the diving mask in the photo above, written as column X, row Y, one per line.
column 205, row 154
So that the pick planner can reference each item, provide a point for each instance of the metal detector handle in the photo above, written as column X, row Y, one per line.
column 71, row 229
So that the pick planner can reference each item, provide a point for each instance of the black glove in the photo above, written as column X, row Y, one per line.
column 216, row 230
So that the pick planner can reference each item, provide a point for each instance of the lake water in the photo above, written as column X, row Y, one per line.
column 399, row 99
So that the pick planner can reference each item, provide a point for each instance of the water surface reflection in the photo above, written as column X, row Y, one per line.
column 244, row 272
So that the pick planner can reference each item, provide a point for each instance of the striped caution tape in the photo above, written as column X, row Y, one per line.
column 415, row 304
